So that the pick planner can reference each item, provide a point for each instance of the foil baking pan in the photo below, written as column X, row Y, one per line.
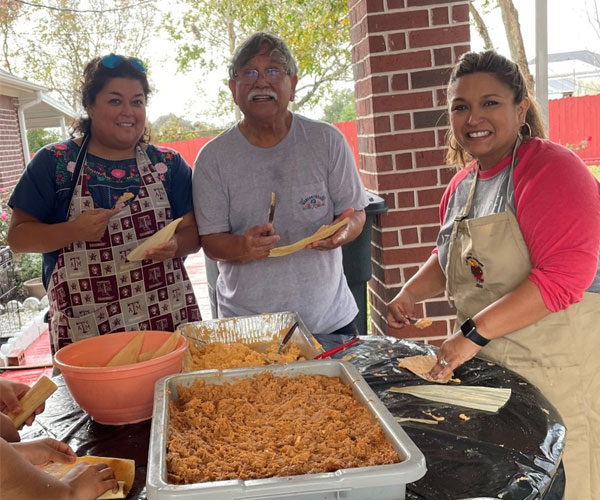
column 257, row 332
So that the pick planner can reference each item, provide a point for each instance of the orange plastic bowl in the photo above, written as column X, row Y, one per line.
column 119, row 394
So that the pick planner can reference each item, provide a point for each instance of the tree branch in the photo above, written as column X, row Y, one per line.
column 510, row 17
column 480, row 26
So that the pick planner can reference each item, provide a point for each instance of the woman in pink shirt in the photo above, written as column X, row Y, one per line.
column 518, row 254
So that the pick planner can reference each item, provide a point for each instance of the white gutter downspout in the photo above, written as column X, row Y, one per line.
column 541, row 57
column 22, row 127
column 63, row 128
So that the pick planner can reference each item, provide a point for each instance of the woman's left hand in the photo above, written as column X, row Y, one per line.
column 455, row 351
column 163, row 251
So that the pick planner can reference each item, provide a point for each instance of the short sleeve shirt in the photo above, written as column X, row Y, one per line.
column 45, row 187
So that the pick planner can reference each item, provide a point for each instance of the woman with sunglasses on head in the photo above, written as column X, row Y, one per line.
column 69, row 205
column 518, row 253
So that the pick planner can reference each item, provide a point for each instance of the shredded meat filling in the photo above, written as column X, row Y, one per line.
column 270, row 426
column 236, row 355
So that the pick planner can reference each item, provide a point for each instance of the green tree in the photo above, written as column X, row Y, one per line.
column 342, row 107
column 317, row 32
column 38, row 138
column 512, row 28
column 10, row 12
column 51, row 43
column 171, row 128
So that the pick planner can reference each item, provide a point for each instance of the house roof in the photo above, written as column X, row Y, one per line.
column 561, row 86
column 586, row 56
column 45, row 113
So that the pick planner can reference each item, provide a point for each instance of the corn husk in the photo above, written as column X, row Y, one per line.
column 417, row 420
column 124, row 470
column 167, row 346
column 323, row 232
column 129, row 353
column 161, row 236
column 480, row 398
column 421, row 366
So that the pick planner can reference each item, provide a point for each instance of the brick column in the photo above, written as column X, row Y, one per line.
column 12, row 161
column 403, row 51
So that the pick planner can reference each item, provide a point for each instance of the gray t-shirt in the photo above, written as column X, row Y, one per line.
column 314, row 177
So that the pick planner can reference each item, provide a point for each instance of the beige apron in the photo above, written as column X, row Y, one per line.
column 94, row 290
column 560, row 354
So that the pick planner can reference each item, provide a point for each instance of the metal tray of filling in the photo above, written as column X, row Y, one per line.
column 383, row 482
column 257, row 332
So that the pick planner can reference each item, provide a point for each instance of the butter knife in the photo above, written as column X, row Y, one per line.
column 287, row 337
column 272, row 208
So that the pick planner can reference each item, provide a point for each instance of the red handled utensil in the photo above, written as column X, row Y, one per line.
column 339, row 348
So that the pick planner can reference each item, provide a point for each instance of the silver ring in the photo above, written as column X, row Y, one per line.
column 443, row 362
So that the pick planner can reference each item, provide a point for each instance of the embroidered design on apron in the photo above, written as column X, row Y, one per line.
column 476, row 268
column 94, row 290
column 559, row 354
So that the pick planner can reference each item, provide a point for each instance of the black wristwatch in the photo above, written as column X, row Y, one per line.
column 469, row 330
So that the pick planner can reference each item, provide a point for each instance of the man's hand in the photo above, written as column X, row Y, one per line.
column 91, row 224
column 43, row 451
column 258, row 242
column 339, row 238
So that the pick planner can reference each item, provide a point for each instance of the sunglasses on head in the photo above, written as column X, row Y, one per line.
column 111, row 61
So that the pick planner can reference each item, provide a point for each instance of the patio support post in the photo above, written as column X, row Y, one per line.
column 402, row 53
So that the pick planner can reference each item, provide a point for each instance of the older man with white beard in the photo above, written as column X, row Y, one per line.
column 310, row 168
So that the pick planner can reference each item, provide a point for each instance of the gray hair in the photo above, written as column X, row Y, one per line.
column 253, row 45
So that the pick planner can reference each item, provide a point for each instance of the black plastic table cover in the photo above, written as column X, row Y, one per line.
column 513, row 454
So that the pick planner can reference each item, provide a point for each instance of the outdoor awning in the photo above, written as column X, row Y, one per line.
column 40, row 110
column 48, row 113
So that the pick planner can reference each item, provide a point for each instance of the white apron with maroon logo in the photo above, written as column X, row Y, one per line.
column 560, row 354
column 94, row 290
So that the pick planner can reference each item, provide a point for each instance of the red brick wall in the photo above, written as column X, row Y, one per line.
column 403, row 51
column 12, row 161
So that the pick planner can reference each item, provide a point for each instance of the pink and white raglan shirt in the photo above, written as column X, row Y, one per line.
column 556, row 200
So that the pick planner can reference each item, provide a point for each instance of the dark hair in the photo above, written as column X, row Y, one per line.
column 506, row 72
column 253, row 45
column 95, row 76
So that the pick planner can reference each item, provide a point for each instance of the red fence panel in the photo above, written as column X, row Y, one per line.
column 349, row 131
column 575, row 121
column 188, row 149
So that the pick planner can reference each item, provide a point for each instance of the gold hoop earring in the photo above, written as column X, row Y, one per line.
column 527, row 131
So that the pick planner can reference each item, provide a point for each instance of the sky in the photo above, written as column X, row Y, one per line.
column 191, row 95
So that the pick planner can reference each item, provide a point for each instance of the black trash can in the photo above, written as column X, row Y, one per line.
column 356, row 259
